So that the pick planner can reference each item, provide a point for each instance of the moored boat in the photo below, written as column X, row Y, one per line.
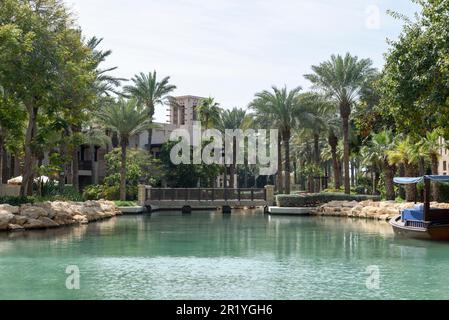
column 422, row 221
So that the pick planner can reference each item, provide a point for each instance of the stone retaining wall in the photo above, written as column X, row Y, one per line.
column 54, row 214
column 383, row 210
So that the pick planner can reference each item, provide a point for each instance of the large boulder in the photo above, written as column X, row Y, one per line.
column 80, row 219
column 15, row 227
column 34, row 224
column 9, row 208
column 48, row 223
column 33, row 212
column 5, row 219
column 19, row 220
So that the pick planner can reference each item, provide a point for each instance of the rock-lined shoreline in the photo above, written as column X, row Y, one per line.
column 382, row 210
column 54, row 214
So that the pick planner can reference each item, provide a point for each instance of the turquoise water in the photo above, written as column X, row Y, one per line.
column 211, row 256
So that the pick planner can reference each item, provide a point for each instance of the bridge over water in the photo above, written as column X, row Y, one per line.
column 188, row 199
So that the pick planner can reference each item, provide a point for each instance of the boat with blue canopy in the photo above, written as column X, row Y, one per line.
column 422, row 221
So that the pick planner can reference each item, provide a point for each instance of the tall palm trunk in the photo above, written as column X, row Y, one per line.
column 245, row 183
column 295, row 172
column 333, row 142
column 75, row 162
column 280, row 185
column 150, row 108
column 422, row 166
column 389, row 171
column 286, row 137
column 410, row 189
column 345, row 111
column 114, row 140
column 29, row 159
column 317, row 159
column 124, row 145
column 2, row 144
column 316, row 147
column 347, row 183
column 402, row 174
column 435, row 187
column 376, row 177
column 352, row 174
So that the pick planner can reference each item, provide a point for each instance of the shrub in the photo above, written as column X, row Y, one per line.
column 16, row 201
column 140, row 168
column 313, row 200
column 125, row 203
column 50, row 192
column 93, row 192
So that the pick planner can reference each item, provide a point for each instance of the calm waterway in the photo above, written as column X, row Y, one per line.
column 210, row 256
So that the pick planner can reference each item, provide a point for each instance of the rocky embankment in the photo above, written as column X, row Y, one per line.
column 54, row 214
column 383, row 210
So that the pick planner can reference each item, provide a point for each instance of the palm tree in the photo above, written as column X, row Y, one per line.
column 285, row 107
column 430, row 147
column 149, row 92
column 376, row 152
column 232, row 120
column 263, row 120
column 126, row 119
column 407, row 154
column 209, row 112
column 105, row 85
column 342, row 78
column 323, row 113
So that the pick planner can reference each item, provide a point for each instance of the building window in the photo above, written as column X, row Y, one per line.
column 444, row 165
column 175, row 115
column 183, row 115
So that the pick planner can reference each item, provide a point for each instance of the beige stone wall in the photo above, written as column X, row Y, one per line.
column 9, row 190
column 383, row 210
column 54, row 214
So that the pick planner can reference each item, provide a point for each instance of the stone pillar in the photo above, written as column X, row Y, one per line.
column 269, row 191
column 142, row 194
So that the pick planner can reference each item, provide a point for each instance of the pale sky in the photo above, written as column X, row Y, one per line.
column 231, row 49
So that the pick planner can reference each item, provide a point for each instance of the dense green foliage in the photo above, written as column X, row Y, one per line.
column 187, row 175
column 358, row 127
column 140, row 169
column 313, row 200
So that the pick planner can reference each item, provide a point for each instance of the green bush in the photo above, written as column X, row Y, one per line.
column 140, row 168
column 93, row 192
column 119, row 203
column 50, row 192
column 313, row 200
column 16, row 201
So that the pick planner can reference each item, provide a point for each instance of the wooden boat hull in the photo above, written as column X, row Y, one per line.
column 434, row 231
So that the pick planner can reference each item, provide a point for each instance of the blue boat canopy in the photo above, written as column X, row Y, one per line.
column 410, row 180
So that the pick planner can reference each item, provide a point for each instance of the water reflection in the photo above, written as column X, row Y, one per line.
column 213, row 234
column 210, row 255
